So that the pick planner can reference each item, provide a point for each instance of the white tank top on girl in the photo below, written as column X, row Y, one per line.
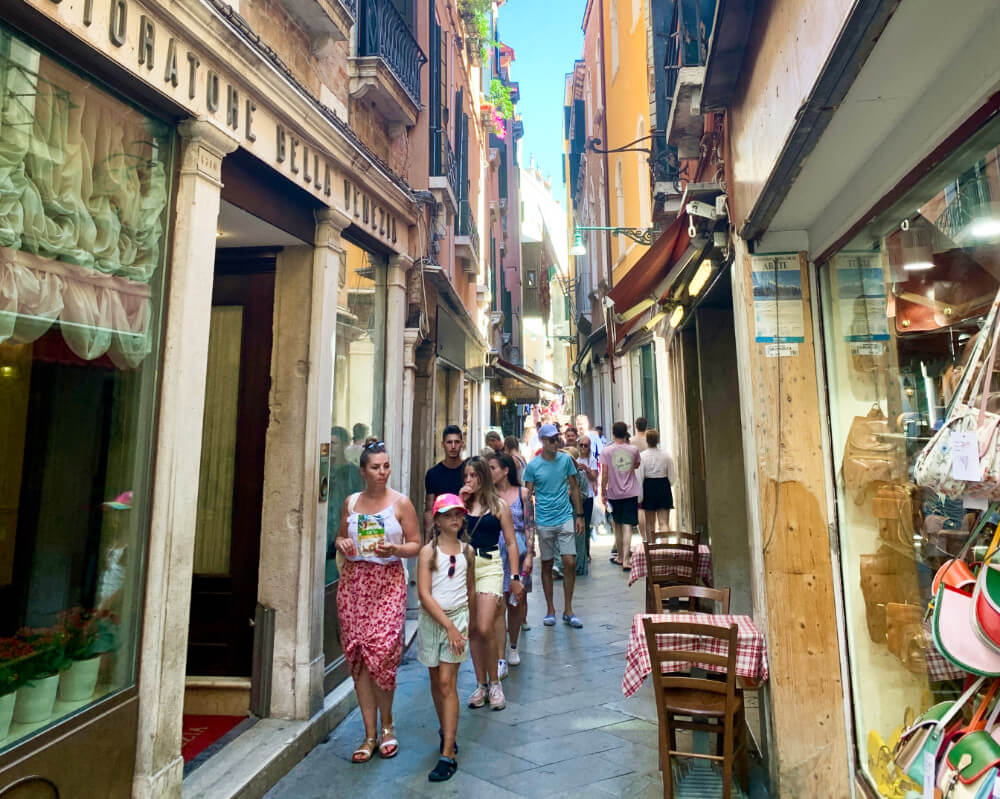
column 367, row 530
column 450, row 592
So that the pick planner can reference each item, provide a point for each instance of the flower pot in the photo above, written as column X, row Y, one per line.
column 35, row 701
column 79, row 680
column 6, row 712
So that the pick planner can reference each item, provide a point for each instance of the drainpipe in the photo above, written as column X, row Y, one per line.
column 604, row 133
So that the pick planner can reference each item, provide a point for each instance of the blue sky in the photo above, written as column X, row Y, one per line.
column 547, row 39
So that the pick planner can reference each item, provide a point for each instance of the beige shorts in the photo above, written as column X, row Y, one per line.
column 432, row 638
column 489, row 574
column 559, row 540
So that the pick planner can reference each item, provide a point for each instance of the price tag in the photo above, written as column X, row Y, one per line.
column 975, row 503
column 928, row 775
column 965, row 457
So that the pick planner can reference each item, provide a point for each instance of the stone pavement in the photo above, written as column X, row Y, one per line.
column 567, row 729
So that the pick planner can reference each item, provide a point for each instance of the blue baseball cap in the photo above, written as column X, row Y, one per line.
column 547, row 431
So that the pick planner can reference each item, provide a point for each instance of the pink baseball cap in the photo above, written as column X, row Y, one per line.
column 447, row 502
column 122, row 502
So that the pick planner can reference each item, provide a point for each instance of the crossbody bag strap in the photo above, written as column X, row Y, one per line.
column 352, row 501
column 988, row 332
column 961, row 702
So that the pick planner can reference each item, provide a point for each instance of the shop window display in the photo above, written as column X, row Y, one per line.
column 903, row 305
column 83, row 222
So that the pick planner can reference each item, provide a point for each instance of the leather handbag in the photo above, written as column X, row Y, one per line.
column 897, row 509
column 886, row 577
column 921, row 743
column 905, row 635
column 869, row 456
column 969, row 764
column 986, row 602
column 955, row 637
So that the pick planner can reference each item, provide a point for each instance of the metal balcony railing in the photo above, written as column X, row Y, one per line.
column 465, row 225
column 687, row 44
column 383, row 32
column 968, row 201
column 444, row 164
column 352, row 6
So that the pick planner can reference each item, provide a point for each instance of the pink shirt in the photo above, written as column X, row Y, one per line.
column 620, row 461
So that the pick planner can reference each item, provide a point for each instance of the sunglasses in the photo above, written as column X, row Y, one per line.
column 375, row 445
column 451, row 569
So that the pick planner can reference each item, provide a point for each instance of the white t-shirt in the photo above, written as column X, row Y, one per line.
column 654, row 462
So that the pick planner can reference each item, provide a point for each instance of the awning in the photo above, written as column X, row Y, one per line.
column 521, row 385
column 653, row 276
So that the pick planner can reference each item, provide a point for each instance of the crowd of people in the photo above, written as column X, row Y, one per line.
column 486, row 518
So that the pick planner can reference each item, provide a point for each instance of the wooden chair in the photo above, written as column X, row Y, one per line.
column 673, row 563
column 687, row 599
column 712, row 706
column 677, row 537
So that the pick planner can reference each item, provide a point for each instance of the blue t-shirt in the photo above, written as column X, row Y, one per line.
column 552, row 504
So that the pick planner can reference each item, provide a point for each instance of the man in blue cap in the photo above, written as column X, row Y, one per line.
column 551, row 483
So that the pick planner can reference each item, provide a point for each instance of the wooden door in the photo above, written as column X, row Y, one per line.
column 227, row 539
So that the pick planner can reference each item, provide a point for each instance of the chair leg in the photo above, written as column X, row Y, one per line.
column 744, row 764
column 727, row 759
column 666, row 764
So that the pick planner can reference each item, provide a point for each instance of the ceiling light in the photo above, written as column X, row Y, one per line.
column 577, row 248
column 8, row 372
column 700, row 278
column 986, row 228
column 918, row 266
column 655, row 320
column 677, row 316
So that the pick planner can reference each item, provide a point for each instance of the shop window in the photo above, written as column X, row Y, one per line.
column 359, row 382
column 902, row 306
column 84, row 183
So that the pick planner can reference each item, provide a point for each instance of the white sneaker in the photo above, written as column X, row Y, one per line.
column 513, row 659
column 497, row 700
column 501, row 669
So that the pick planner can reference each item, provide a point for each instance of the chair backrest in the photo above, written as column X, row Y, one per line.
column 682, row 537
column 709, row 636
column 686, row 596
column 671, row 563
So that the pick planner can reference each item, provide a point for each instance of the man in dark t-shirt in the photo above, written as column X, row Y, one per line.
column 445, row 477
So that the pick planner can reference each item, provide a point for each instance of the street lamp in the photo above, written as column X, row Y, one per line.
column 645, row 236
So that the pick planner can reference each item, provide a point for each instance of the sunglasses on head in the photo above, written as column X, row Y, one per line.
column 375, row 445
column 451, row 569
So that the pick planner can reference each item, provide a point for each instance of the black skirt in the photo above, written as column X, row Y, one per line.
column 656, row 494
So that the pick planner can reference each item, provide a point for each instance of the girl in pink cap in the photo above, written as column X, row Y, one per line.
column 446, row 581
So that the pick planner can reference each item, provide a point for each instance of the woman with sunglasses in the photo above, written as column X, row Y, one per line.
column 446, row 582
column 488, row 517
column 378, row 529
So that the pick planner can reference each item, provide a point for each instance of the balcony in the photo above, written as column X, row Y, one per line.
column 467, row 239
column 444, row 170
column 326, row 21
column 386, row 69
column 687, row 50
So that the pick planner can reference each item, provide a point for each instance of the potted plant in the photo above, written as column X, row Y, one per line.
column 37, row 696
column 14, row 656
column 89, row 634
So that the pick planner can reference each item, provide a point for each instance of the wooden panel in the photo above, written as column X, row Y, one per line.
column 805, row 687
column 218, row 448
column 15, row 380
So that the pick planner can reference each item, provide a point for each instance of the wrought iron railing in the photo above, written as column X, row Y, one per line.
column 967, row 202
column 444, row 164
column 687, row 44
column 352, row 6
column 383, row 32
column 465, row 225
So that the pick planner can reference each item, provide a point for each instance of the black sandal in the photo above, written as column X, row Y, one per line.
column 444, row 770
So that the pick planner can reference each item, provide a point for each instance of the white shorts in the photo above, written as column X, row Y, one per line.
column 559, row 540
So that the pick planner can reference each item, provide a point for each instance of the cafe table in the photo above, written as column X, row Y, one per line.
column 702, row 568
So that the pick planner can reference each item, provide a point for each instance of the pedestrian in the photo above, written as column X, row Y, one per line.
column 570, row 436
column 580, row 540
column 639, row 439
column 552, row 487
column 345, row 479
column 446, row 582
column 619, row 484
column 378, row 530
column 529, row 441
column 444, row 477
column 584, row 431
column 359, row 434
column 494, row 443
column 600, row 437
column 512, row 447
column 488, row 517
column 505, row 480
column 657, row 475
column 587, row 464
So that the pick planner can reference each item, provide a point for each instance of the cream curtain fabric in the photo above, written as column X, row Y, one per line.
column 83, row 188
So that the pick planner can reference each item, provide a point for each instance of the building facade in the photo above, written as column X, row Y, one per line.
column 236, row 240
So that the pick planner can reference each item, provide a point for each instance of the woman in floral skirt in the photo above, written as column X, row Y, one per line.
column 378, row 529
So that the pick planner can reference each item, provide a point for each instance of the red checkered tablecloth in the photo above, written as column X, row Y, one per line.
column 751, row 655
column 703, row 568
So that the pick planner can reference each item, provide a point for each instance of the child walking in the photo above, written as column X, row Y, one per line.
column 446, row 583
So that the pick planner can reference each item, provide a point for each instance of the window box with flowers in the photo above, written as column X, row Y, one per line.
column 476, row 15
column 15, row 655
column 498, row 109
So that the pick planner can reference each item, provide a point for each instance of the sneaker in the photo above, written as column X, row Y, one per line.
column 513, row 659
column 525, row 626
column 444, row 769
column 478, row 697
column 497, row 700
column 501, row 669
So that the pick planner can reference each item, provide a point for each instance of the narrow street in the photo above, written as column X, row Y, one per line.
column 567, row 730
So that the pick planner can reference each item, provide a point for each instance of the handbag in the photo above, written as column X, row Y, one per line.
column 986, row 599
column 969, row 767
column 886, row 576
column 955, row 637
column 933, row 466
column 896, row 507
column 905, row 635
column 868, row 457
column 923, row 740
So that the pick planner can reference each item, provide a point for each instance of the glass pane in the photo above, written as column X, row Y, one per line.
column 358, row 385
column 902, row 307
column 83, row 223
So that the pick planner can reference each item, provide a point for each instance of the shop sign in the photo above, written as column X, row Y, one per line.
column 777, row 298
column 151, row 50
column 861, row 291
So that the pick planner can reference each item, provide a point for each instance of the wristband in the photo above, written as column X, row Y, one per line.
column 516, row 577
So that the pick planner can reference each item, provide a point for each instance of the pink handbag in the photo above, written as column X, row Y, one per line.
column 956, row 637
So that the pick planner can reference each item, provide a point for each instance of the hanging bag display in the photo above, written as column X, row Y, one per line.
column 955, row 636
column 933, row 467
column 986, row 598
column 969, row 766
column 869, row 456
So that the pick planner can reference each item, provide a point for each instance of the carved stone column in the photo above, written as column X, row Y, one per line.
column 395, row 442
column 158, row 764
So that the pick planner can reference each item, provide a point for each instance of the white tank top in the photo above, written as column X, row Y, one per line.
column 368, row 529
column 450, row 592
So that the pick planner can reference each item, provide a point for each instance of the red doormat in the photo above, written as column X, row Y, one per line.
column 201, row 732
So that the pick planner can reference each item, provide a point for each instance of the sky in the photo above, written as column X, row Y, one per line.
column 547, row 38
